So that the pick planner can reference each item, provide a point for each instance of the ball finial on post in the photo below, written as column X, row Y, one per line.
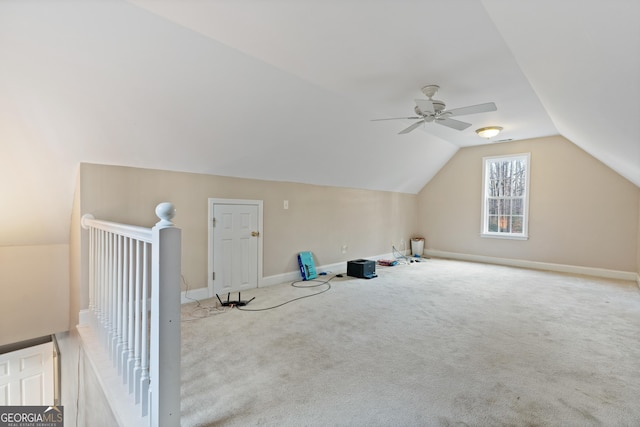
column 165, row 211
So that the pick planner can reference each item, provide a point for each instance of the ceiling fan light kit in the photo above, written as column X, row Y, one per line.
column 432, row 110
column 489, row 131
column 430, row 90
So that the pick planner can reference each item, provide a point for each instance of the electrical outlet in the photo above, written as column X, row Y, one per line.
column 285, row 205
column 344, row 249
column 402, row 243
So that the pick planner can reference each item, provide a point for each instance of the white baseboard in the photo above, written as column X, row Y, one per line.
column 562, row 268
column 292, row 276
column 276, row 279
column 83, row 317
column 194, row 294
column 279, row 278
column 638, row 279
column 330, row 269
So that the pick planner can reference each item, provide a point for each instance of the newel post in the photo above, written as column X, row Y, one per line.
column 164, row 363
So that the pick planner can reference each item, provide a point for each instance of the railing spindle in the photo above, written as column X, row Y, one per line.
column 144, row 331
column 119, row 299
column 131, row 314
column 124, row 342
column 133, row 386
column 103, row 286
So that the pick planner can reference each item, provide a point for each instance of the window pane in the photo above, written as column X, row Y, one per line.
column 493, row 224
column 516, row 224
column 504, row 206
column 503, row 224
column 516, row 206
column 493, row 188
column 517, row 187
column 519, row 178
column 493, row 206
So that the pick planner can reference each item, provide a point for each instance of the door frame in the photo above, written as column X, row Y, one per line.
column 210, row 253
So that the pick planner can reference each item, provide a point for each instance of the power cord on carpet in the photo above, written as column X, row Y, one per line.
column 400, row 256
column 295, row 285
column 215, row 309
column 208, row 310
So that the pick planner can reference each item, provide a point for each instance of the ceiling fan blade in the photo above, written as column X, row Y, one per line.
column 397, row 118
column 412, row 127
column 473, row 109
column 425, row 105
column 454, row 124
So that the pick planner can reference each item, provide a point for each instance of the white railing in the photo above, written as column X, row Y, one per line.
column 134, row 308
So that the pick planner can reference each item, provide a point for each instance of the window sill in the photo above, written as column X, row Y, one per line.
column 505, row 236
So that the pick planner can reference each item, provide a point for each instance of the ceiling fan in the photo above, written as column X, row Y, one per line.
column 432, row 110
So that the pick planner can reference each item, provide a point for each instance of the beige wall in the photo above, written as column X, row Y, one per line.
column 319, row 219
column 581, row 212
column 35, row 291
column 37, row 298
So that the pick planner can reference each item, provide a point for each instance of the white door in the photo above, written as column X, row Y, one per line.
column 26, row 376
column 235, row 245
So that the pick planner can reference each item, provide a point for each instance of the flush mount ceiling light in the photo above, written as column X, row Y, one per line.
column 488, row 132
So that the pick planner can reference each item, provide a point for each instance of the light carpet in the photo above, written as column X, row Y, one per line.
column 435, row 343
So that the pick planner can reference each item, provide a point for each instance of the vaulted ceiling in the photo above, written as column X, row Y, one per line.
column 284, row 90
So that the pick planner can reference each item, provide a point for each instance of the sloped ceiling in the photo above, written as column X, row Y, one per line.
column 286, row 90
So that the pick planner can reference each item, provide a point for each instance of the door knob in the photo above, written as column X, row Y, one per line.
column 255, row 233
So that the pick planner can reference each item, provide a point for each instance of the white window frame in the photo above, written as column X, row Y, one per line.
column 486, row 196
